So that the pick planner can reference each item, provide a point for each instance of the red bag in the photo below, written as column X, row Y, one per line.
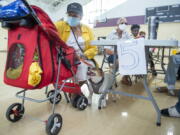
column 24, row 43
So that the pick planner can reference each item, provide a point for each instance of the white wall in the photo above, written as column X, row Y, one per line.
column 3, row 39
column 166, row 31
column 136, row 7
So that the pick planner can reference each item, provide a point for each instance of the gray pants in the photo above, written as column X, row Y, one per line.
column 173, row 65
column 170, row 78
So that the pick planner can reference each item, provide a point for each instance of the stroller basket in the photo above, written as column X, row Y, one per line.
column 36, row 58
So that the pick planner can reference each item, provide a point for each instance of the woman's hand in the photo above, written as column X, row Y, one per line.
column 109, row 52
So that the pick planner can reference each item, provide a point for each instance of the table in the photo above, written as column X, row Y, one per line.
column 148, row 43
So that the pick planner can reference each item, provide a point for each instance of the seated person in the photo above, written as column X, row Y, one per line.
column 170, row 80
column 173, row 111
column 170, row 77
column 142, row 34
column 135, row 31
column 117, row 34
column 78, row 36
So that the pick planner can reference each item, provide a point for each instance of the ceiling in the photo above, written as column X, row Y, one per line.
column 53, row 3
column 56, row 4
column 55, row 8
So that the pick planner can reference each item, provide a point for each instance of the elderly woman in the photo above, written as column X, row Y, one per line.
column 117, row 34
column 78, row 36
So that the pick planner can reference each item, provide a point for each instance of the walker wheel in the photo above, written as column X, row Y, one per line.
column 82, row 103
column 74, row 101
column 58, row 97
column 54, row 124
column 15, row 112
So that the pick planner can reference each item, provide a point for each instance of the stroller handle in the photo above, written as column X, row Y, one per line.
column 32, row 12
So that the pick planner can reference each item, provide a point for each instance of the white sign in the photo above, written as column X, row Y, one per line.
column 131, row 57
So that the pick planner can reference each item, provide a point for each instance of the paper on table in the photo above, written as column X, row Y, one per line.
column 131, row 57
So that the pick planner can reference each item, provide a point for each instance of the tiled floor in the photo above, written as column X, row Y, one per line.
column 126, row 116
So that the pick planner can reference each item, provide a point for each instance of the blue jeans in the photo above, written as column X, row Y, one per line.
column 111, row 59
column 173, row 66
column 170, row 78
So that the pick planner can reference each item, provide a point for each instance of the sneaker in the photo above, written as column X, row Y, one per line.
column 171, row 92
column 174, row 93
column 161, row 89
column 170, row 112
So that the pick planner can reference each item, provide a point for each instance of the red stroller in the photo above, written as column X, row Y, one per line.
column 33, row 45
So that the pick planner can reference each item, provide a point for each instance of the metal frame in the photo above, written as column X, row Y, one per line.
column 57, row 90
column 159, row 57
column 23, row 97
column 149, row 43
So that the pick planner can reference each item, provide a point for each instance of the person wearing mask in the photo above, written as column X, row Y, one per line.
column 170, row 77
column 173, row 111
column 77, row 35
column 170, row 80
column 119, row 33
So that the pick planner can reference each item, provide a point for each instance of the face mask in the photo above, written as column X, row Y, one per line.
column 73, row 21
column 122, row 27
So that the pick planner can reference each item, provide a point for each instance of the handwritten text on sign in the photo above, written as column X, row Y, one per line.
column 131, row 56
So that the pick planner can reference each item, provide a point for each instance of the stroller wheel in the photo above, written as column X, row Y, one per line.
column 15, row 112
column 54, row 124
column 58, row 97
column 74, row 101
column 82, row 103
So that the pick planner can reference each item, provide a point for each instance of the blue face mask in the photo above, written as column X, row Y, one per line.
column 73, row 21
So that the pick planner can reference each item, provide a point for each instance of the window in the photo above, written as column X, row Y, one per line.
column 15, row 61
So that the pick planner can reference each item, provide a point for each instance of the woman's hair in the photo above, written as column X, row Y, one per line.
column 121, row 19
